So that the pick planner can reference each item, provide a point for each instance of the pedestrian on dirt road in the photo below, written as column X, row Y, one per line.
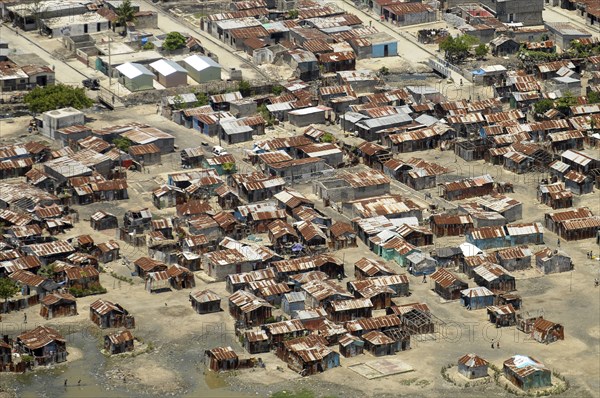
column 492, row 344
column 498, row 344
column 558, row 242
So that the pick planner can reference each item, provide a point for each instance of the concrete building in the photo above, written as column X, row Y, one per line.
column 403, row 14
column 307, row 116
column 516, row 11
column 351, row 186
column 565, row 32
column 60, row 119
column 75, row 25
column 202, row 69
column 472, row 366
column 135, row 77
column 24, row 15
column 169, row 73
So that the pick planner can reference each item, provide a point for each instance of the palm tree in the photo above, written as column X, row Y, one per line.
column 125, row 13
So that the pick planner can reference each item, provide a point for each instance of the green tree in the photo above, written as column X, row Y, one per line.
column 8, row 288
column 148, row 46
column 125, row 13
column 173, row 41
column 277, row 89
column 123, row 143
column 228, row 167
column 245, row 87
column 293, row 14
column 327, row 137
column 593, row 97
column 47, row 271
column 481, row 51
column 457, row 49
column 543, row 106
column 201, row 99
column 564, row 103
column 384, row 71
column 264, row 112
column 42, row 99
column 178, row 102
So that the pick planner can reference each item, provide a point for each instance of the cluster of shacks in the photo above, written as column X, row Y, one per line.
column 293, row 267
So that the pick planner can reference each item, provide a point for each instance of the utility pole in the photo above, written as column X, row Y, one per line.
column 110, row 70
column 219, row 125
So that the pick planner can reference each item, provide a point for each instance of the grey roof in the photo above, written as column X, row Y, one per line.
column 185, row 98
column 294, row 297
column 200, row 63
column 446, row 252
column 426, row 120
column 353, row 117
column 167, row 67
column 384, row 121
column 234, row 127
column 567, row 29
column 422, row 90
column 132, row 70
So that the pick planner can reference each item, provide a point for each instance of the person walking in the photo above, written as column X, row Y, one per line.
column 498, row 344
column 492, row 344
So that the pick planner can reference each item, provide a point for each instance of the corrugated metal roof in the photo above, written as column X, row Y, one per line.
column 120, row 337
column 50, row 248
column 502, row 309
column 321, row 290
column 27, row 278
column 223, row 353
column 352, row 304
column 247, row 301
column 40, row 337
column 524, row 229
column 472, row 361
column 445, row 278
column 374, row 323
column 478, row 291
column 490, row 271
column 284, row 327
column 103, row 307
column 524, row 365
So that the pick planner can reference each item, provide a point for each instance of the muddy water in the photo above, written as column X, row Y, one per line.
column 92, row 368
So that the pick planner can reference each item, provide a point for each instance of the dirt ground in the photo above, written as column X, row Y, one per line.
column 168, row 322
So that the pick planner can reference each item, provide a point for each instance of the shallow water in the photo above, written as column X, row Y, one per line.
column 91, row 370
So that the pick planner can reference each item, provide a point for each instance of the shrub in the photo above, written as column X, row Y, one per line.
column 174, row 41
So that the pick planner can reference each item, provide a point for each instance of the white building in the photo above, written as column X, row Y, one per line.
column 202, row 69
column 75, row 25
column 59, row 119
column 169, row 73
column 135, row 77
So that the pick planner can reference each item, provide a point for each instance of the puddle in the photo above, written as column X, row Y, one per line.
column 91, row 372
column 214, row 380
